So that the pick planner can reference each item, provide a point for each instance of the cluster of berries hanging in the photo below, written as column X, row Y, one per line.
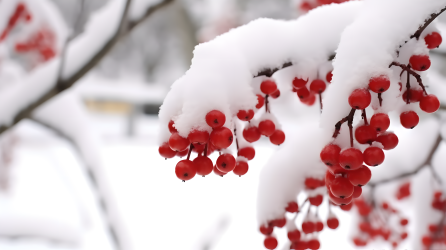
column 204, row 143
column 346, row 169
column 436, row 232
column 41, row 43
column 307, row 5
column 307, row 92
column 305, row 236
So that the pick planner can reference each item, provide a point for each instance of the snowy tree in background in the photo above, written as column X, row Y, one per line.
column 365, row 64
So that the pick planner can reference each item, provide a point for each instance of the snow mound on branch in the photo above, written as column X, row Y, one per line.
column 221, row 73
column 283, row 177
column 368, row 46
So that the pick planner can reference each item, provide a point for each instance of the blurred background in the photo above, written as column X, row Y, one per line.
column 84, row 172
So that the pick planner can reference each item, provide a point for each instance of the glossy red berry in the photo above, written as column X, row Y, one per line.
column 333, row 223
column 260, row 101
column 178, row 143
column 248, row 153
column 303, row 93
column 409, row 119
column 277, row 138
column 365, row 134
column 225, row 163
column 433, row 40
column 360, row 176
column 292, row 207
column 379, row 84
column 171, row 127
column 198, row 136
column 270, row 242
column 183, row 153
column 317, row 86
column 373, row 156
column 429, row 103
column 330, row 154
column 339, row 201
column 329, row 76
column 314, row 244
column 221, row 137
column 203, row 165
column 245, row 115
column 268, row 87
column 319, row 226
column 389, row 140
column 308, row 227
column 279, row 222
column 351, row 159
column 316, row 200
column 357, row 192
column 241, row 168
column 380, row 122
column 266, row 230
column 341, row 187
column 426, row 240
column 215, row 119
column 275, row 94
column 299, row 83
column 309, row 100
column 347, row 207
column 251, row 134
column 267, row 127
column 420, row 62
column 294, row 235
column 360, row 99
column 185, row 170
column 165, row 151
column 218, row 172
column 415, row 95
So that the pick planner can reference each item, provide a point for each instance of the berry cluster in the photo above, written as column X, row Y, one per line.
column 307, row 236
column 307, row 5
column 220, row 138
column 20, row 13
column 307, row 91
column 346, row 169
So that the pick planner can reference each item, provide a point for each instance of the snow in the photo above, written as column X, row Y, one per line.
column 139, row 7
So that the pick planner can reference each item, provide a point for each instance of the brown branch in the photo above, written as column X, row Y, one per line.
column 428, row 21
column 427, row 162
column 339, row 123
column 123, row 30
column 364, row 116
column 410, row 71
column 320, row 101
column 270, row 72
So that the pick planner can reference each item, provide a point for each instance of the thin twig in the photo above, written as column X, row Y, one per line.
column 410, row 71
column 339, row 123
column 428, row 21
column 270, row 71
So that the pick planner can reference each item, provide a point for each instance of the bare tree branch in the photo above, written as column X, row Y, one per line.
column 124, row 28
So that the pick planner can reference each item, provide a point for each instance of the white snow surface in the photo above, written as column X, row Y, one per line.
column 221, row 73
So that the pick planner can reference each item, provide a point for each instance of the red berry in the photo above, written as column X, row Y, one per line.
column 404, row 222
column 279, row 222
column 267, row 127
column 433, row 228
column 204, row 165
column 429, row 103
column 248, row 153
column 319, row 226
column 270, row 242
column 373, row 156
column 277, row 138
column 379, row 84
column 415, row 95
column 380, row 122
column 260, row 101
column 360, row 99
column 303, row 93
column 409, row 119
column 294, row 235
column 218, row 172
column 241, row 168
column 351, row 159
column 317, row 86
column 185, row 170
column 198, row 148
column 311, row 183
column 314, row 244
column 171, row 127
column 245, row 115
column 197, row 136
column 427, row 241
column 165, row 151
column 357, row 192
column 329, row 76
column 268, row 87
column 333, row 223
column 221, row 137
column 360, row 176
column 341, row 187
column 251, row 134
column 365, row 134
column 215, row 119
column 433, row 40
column 389, row 140
column 308, row 227
column 347, row 207
column 330, row 154
column 299, row 83
column 266, row 230
column 329, row 178
column 299, row 245
column 337, row 169
column 275, row 94
column 316, row 200
column 183, row 153
column 309, row 100
column 292, row 207
column 178, row 143
column 339, row 201
column 420, row 62
column 404, row 235
column 225, row 163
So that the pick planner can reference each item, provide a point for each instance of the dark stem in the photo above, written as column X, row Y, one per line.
column 413, row 73
column 266, row 104
column 350, row 127
column 190, row 150
column 339, row 123
column 320, row 101
column 236, row 140
column 269, row 72
column 408, row 86
column 380, row 99
column 428, row 21
column 206, row 149
column 364, row 116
